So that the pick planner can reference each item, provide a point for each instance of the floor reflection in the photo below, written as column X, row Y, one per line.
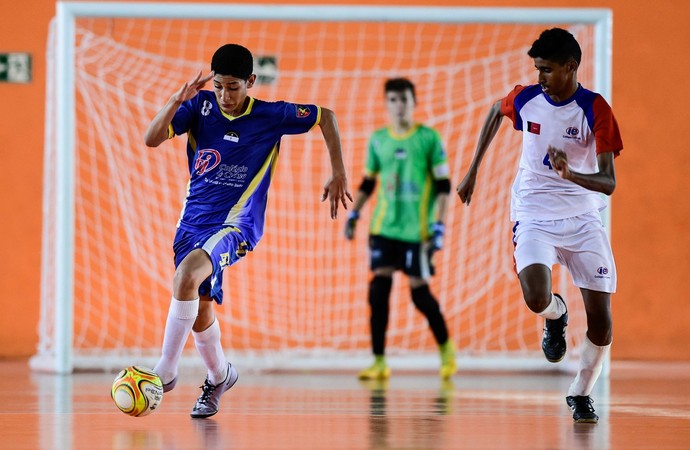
column 637, row 408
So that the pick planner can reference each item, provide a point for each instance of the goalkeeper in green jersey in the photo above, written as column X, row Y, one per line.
column 407, row 224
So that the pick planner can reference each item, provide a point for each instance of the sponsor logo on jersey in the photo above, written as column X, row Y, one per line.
column 232, row 136
column 229, row 175
column 534, row 128
column 572, row 133
column 303, row 111
column 206, row 160
column 400, row 153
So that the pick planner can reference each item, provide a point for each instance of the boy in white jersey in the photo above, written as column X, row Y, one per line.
column 232, row 146
column 408, row 222
column 570, row 139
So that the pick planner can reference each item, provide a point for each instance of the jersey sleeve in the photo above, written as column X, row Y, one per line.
column 298, row 119
column 182, row 120
column 373, row 164
column 439, row 158
column 508, row 108
column 606, row 133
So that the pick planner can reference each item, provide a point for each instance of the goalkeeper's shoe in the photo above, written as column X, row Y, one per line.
column 553, row 341
column 448, row 365
column 583, row 411
column 207, row 403
column 377, row 371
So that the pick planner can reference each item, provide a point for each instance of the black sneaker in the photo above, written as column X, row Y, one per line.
column 553, row 341
column 583, row 411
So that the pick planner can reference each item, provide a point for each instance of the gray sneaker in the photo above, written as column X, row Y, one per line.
column 207, row 403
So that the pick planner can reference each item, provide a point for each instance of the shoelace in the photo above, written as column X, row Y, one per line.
column 206, row 391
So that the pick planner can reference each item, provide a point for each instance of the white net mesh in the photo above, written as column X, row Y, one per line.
column 303, row 291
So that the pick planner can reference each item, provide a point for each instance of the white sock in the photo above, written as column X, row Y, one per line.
column 555, row 309
column 591, row 362
column 209, row 347
column 181, row 317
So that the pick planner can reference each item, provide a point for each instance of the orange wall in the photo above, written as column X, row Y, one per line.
column 649, row 216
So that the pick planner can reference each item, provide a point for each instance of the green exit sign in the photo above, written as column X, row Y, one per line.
column 15, row 67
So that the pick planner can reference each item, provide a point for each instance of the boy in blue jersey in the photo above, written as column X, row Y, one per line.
column 232, row 147
column 408, row 221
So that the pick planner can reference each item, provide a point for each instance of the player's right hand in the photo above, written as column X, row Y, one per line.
column 351, row 224
column 466, row 187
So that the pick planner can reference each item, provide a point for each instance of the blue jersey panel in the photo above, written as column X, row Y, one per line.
column 585, row 100
column 231, row 159
column 521, row 100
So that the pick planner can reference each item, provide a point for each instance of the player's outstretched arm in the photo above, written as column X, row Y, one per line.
column 335, row 188
column 157, row 131
column 603, row 181
column 491, row 125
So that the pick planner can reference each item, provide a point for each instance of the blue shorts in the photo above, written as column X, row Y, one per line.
column 413, row 258
column 224, row 245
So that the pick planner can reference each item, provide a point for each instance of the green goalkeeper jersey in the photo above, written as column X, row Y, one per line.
column 406, row 166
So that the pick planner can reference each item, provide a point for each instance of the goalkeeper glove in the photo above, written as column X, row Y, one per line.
column 437, row 230
column 350, row 225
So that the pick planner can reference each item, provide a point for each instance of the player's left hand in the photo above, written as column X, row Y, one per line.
column 336, row 191
column 437, row 232
column 559, row 162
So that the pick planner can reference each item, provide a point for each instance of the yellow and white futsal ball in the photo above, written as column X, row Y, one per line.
column 137, row 391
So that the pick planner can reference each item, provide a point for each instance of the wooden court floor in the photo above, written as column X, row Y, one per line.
column 641, row 406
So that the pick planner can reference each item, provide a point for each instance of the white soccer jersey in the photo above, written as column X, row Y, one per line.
column 582, row 126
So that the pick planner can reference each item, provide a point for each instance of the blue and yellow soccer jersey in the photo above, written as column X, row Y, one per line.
column 406, row 167
column 231, row 159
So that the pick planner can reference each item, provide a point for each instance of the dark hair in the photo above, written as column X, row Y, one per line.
column 233, row 60
column 556, row 45
column 399, row 85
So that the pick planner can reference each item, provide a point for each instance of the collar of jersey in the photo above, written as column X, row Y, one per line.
column 400, row 137
column 570, row 99
column 245, row 113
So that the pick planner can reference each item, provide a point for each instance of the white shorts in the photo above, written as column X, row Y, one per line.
column 579, row 243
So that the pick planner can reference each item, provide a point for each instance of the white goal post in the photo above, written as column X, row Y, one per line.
column 347, row 346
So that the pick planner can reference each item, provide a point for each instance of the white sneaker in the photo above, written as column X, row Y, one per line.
column 207, row 403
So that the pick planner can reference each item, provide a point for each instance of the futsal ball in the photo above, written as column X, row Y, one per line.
column 137, row 391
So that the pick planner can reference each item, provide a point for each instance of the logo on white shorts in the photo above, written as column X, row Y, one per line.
column 603, row 272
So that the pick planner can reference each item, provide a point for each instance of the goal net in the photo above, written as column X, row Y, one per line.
column 300, row 299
